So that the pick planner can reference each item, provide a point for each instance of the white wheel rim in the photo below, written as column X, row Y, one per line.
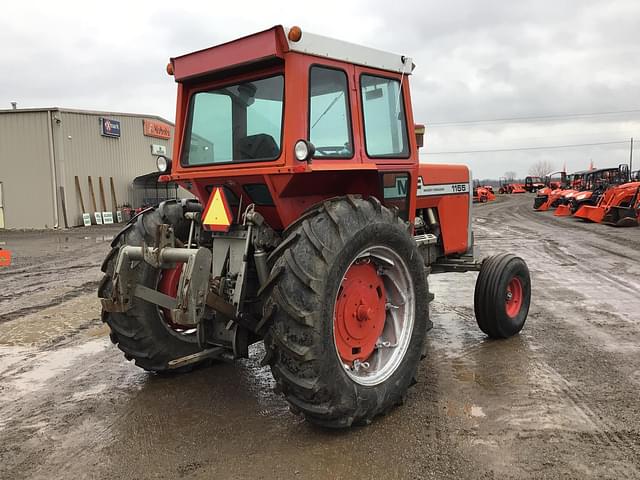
column 395, row 338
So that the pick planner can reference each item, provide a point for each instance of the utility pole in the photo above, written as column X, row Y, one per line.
column 631, row 157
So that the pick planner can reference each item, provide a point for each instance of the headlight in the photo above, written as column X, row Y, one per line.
column 303, row 150
column 163, row 164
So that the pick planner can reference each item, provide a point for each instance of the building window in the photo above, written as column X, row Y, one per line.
column 329, row 115
column 385, row 122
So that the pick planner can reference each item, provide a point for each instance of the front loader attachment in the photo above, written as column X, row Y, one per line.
column 591, row 213
column 541, row 203
column 562, row 211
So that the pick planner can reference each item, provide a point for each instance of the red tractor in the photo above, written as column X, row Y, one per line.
column 482, row 194
column 508, row 186
column 314, row 228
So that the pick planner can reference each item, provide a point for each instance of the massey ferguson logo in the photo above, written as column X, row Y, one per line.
column 109, row 128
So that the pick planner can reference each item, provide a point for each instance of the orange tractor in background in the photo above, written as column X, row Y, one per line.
column 313, row 229
column 508, row 186
column 618, row 206
column 557, row 185
column 591, row 187
column 555, row 180
column 482, row 194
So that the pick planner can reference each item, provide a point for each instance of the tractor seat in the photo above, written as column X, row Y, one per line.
column 259, row 146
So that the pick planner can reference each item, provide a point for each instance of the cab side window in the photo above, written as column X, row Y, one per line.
column 385, row 122
column 329, row 115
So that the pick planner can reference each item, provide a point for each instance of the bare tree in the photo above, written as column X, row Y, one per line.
column 510, row 175
column 541, row 168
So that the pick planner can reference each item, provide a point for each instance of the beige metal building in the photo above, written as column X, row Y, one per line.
column 43, row 150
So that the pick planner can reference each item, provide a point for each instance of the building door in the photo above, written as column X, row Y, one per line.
column 1, row 208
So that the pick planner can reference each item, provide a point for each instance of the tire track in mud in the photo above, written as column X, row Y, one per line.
column 38, row 286
column 36, row 270
column 595, row 385
column 89, row 287
column 605, row 430
column 547, row 411
column 604, row 232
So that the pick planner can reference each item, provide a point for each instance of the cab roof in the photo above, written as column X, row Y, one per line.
column 270, row 46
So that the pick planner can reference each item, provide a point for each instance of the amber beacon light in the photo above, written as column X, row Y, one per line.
column 295, row 34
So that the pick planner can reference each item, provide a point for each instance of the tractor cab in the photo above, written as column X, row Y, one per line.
column 602, row 178
column 556, row 180
column 533, row 184
column 283, row 119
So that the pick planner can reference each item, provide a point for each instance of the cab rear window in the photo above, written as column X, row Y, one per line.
column 236, row 123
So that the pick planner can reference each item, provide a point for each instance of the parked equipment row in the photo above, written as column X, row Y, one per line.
column 605, row 195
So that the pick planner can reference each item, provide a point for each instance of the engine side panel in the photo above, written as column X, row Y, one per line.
column 447, row 188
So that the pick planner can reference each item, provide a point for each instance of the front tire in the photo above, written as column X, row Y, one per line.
column 502, row 295
column 349, row 310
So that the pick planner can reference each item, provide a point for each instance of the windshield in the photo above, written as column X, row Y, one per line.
column 237, row 123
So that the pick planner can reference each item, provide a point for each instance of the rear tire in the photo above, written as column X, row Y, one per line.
column 306, row 344
column 502, row 295
column 142, row 332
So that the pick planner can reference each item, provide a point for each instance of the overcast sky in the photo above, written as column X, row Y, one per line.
column 476, row 60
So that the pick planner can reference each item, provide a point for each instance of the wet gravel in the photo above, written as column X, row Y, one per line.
column 558, row 401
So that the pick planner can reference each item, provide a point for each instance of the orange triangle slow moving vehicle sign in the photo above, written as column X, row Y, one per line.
column 217, row 216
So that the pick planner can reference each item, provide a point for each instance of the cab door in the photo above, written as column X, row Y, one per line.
column 387, row 135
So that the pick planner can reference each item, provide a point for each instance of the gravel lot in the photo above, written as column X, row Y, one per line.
column 558, row 401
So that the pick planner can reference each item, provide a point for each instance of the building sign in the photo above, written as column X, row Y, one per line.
column 109, row 128
column 158, row 150
column 156, row 129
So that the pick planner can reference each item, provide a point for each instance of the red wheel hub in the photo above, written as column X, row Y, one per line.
column 169, row 282
column 514, row 295
column 359, row 312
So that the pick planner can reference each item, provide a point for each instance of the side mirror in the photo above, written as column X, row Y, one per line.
column 419, row 131
column 304, row 150
column 163, row 163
